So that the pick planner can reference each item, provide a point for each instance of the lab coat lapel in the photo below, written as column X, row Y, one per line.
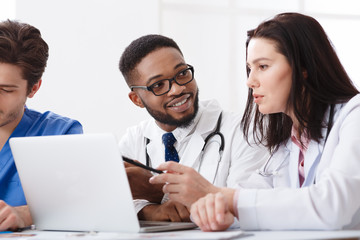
column 206, row 125
column 294, row 164
column 155, row 153
column 315, row 150
column 280, row 164
column 311, row 162
column 311, row 157
column 193, row 150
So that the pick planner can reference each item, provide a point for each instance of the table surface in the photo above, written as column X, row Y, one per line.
column 188, row 234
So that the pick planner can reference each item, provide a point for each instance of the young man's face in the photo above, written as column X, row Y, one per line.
column 13, row 95
column 176, row 108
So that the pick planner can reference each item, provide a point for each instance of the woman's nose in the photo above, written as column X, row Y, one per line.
column 252, row 81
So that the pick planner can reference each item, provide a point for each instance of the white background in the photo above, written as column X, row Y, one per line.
column 86, row 39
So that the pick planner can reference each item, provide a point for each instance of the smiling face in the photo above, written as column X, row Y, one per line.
column 13, row 95
column 270, row 76
column 178, row 107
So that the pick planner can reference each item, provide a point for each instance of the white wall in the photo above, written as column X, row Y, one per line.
column 7, row 9
column 87, row 37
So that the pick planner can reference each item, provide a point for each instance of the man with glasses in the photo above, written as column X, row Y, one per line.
column 183, row 129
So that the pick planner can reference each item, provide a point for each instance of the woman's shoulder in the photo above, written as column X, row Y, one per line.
column 352, row 104
column 348, row 111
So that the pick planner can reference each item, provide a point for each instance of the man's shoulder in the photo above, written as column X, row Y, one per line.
column 47, row 116
column 50, row 123
column 212, row 107
column 139, row 128
column 232, row 116
column 135, row 135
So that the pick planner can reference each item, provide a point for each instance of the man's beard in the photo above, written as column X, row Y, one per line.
column 7, row 119
column 169, row 120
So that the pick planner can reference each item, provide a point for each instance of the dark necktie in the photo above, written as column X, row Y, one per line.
column 170, row 151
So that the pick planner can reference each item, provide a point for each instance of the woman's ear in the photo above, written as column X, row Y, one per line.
column 134, row 97
column 34, row 89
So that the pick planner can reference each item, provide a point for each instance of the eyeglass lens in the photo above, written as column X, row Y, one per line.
column 181, row 78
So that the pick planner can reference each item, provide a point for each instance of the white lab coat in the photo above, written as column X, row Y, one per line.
column 330, row 196
column 239, row 160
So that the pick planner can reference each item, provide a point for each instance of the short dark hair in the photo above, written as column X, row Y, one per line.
column 140, row 48
column 304, row 43
column 21, row 45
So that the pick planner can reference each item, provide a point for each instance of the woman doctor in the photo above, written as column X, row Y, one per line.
column 303, row 106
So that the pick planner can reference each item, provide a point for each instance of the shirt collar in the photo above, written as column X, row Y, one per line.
column 304, row 139
column 154, row 132
column 181, row 133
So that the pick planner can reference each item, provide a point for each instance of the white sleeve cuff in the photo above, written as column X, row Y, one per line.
column 140, row 204
column 246, row 209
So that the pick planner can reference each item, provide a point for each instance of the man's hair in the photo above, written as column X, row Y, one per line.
column 140, row 48
column 318, row 79
column 21, row 45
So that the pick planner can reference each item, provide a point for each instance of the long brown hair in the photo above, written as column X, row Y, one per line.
column 304, row 43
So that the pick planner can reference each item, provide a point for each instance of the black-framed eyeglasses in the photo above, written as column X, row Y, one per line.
column 163, row 86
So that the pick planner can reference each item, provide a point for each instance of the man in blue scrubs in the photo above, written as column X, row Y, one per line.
column 23, row 57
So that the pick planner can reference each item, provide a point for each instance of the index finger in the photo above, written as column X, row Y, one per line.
column 165, row 178
column 172, row 166
column 127, row 164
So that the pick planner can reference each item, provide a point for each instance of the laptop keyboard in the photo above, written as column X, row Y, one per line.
column 152, row 224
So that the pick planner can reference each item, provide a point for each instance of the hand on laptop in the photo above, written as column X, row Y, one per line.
column 14, row 217
column 140, row 186
column 168, row 211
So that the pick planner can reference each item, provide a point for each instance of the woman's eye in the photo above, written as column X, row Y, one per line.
column 263, row 67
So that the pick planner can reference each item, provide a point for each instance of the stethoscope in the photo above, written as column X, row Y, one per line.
column 206, row 141
column 265, row 173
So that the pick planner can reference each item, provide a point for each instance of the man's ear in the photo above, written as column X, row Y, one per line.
column 34, row 89
column 134, row 97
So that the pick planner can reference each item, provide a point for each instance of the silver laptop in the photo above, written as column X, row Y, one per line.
column 79, row 183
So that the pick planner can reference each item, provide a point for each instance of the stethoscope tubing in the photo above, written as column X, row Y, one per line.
column 206, row 141
column 263, row 172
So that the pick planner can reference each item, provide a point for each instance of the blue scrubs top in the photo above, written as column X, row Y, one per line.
column 32, row 124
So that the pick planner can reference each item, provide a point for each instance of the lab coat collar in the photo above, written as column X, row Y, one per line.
column 204, row 122
column 181, row 133
column 193, row 150
column 200, row 123
column 208, row 121
column 315, row 150
column 293, row 163
column 312, row 155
